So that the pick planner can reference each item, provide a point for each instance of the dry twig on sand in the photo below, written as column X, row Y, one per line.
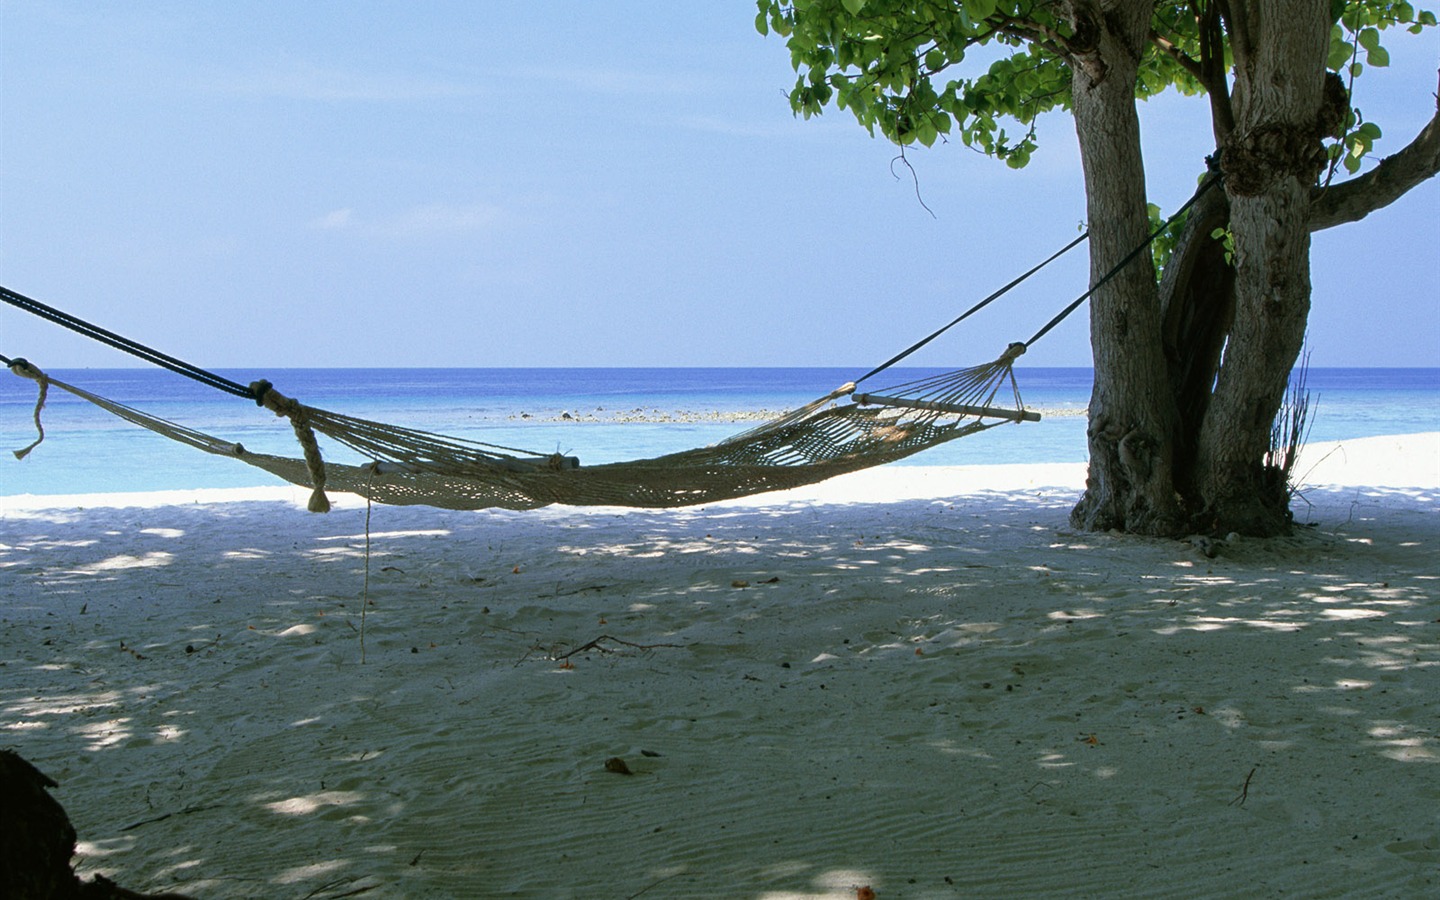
column 597, row 642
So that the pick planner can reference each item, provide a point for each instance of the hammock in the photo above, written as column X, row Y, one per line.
column 843, row 431
column 820, row 440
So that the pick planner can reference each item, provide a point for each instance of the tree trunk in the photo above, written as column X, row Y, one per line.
column 1270, row 163
column 1132, row 414
column 1197, row 297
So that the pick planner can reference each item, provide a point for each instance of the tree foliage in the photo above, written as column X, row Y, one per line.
column 922, row 71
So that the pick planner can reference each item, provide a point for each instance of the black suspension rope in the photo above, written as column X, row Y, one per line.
column 1209, row 182
column 972, row 310
column 134, row 348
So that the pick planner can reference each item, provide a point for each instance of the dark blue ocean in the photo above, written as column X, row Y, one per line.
column 599, row 415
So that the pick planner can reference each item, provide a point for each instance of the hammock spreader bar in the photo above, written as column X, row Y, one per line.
column 965, row 409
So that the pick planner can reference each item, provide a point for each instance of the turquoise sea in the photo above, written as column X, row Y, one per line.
column 599, row 415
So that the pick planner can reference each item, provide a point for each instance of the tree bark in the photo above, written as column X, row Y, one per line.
column 1132, row 414
column 1197, row 297
column 1270, row 163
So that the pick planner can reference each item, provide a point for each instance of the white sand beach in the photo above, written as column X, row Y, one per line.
column 914, row 679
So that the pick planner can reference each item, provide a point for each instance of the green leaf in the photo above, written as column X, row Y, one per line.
column 1340, row 50
column 980, row 9
column 1370, row 38
column 853, row 6
column 1378, row 57
column 762, row 23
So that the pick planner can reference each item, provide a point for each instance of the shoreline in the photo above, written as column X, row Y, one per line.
column 1406, row 460
column 655, row 416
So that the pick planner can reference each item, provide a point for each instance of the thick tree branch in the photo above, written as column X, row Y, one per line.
column 1036, row 33
column 1239, row 25
column 1355, row 199
column 1183, row 59
column 1212, row 63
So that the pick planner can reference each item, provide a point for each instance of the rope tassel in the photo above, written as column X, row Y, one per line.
column 25, row 370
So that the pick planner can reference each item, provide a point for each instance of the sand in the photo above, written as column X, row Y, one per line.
column 919, row 680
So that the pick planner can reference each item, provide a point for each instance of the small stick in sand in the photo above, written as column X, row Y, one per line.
column 655, row 884
column 163, row 816
column 595, row 645
column 1244, row 790
column 365, row 589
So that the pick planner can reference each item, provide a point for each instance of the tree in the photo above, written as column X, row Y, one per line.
column 1193, row 349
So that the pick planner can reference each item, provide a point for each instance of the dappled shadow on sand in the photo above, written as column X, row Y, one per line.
column 937, row 699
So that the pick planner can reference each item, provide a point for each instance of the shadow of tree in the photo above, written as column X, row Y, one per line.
column 958, row 698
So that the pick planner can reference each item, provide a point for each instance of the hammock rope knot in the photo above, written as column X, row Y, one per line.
column 299, row 416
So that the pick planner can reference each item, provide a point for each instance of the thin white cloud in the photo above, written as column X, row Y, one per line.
column 439, row 217
column 431, row 219
column 305, row 81
column 294, row 79
column 335, row 220
column 621, row 82
column 717, row 125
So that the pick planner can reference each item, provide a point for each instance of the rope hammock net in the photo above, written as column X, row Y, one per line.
column 816, row 442
column 843, row 431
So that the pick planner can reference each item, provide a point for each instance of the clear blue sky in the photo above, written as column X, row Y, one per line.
column 561, row 184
